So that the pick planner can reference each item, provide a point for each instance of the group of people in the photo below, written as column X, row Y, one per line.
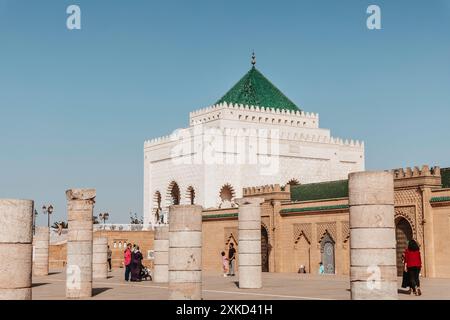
column 133, row 263
column 229, row 261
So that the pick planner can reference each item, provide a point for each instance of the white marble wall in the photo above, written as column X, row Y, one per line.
column 306, row 153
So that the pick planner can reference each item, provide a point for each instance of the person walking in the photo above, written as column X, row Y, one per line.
column 405, row 277
column 109, row 259
column 224, row 264
column 136, row 264
column 231, row 259
column 413, row 264
column 321, row 268
column 127, row 262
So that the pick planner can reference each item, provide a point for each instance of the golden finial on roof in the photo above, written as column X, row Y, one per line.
column 253, row 58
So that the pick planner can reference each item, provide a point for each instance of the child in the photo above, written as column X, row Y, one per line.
column 321, row 268
column 224, row 264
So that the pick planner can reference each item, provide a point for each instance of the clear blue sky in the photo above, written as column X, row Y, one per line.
column 76, row 106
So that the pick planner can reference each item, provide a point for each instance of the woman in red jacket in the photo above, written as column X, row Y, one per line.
column 127, row 261
column 413, row 264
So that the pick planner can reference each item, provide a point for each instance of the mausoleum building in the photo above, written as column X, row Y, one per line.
column 253, row 135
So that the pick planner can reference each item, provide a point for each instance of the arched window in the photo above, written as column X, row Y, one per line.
column 293, row 182
column 227, row 192
column 327, row 249
column 174, row 193
column 226, row 196
column 157, row 205
column 190, row 194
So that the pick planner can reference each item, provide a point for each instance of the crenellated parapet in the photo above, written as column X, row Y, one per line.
column 416, row 176
column 251, row 132
column 269, row 192
column 255, row 114
column 241, row 107
column 409, row 172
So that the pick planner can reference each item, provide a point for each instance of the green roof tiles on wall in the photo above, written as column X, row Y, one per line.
column 320, row 208
column 254, row 89
column 440, row 199
column 320, row 191
column 220, row 216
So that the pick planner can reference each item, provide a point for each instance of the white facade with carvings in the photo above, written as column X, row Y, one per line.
column 227, row 147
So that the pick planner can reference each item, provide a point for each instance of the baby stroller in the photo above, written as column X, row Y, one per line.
column 146, row 273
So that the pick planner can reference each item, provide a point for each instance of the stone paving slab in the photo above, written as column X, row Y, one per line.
column 276, row 286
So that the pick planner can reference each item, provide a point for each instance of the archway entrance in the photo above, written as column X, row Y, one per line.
column 264, row 250
column 327, row 250
column 403, row 233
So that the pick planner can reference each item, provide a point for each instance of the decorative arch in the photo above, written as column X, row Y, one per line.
column 231, row 239
column 293, row 182
column 403, row 234
column 265, row 249
column 326, row 236
column 190, row 195
column 302, row 253
column 173, row 193
column 403, row 214
column 327, row 250
column 157, row 205
column 269, row 234
column 226, row 195
column 326, row 228
column 299, row 237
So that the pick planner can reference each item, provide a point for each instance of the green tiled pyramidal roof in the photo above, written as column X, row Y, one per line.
column 254, row 89
column 320, row 191
column 445, row 177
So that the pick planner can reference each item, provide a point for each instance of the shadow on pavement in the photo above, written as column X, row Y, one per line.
column 404, row 291
column 97, row 291
column 38, row 284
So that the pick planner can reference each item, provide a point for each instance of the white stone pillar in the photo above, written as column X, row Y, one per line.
column 80, row 204
column 249, row 245
column 41, row 245
column 373, row 270
column 16, row 249
column 100, row 258
column 161, row 248
column 185, row 252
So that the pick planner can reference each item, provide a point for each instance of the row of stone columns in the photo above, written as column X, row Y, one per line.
column 16, row 250
column 373, row 270
column 80, row 204
column 161, row 249
column 100, row 258
column 249, row 254
column 183, row 268
column 179, row 251
column 41, row 242
column 185, row 252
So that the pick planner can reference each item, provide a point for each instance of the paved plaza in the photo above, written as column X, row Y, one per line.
column 279, row 286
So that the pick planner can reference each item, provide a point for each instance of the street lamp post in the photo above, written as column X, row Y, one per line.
column 48, row 211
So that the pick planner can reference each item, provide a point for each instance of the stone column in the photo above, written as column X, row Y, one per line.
column 249, row 249
column 161, row 262
column 41, row 245
column 373, row 271
column 16, row 249
column 100, row 258
column 80, row 204
column 185, row 252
